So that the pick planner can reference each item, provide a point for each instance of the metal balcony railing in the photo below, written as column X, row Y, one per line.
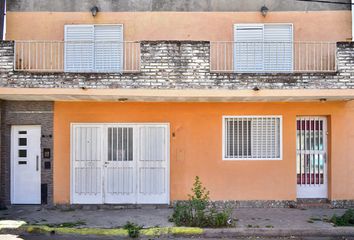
column 77, row 56
column 272, row 57
column 124, row 57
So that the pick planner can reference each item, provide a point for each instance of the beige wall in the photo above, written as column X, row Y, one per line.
column 312, row 26
column 196, row 146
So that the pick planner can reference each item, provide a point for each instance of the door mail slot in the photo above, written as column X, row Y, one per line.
column 22, row 162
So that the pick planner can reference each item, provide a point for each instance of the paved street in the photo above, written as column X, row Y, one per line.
column 58, row 237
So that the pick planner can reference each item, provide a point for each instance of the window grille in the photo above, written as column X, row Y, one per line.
column 252, row 137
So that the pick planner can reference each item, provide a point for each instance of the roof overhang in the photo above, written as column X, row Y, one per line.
column 176, row 95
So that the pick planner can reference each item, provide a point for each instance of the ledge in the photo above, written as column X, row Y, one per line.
column 175, row 95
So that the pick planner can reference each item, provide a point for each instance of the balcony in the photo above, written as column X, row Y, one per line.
column 176, row 65
column 272, row 57
column 77, row 56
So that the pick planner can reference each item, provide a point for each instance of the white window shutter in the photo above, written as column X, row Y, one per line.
column 278, row 47
column 248, row 49
column 79, row 48
column 265, row 137
column 252, row 137
column 263, row 48
column 108, row 48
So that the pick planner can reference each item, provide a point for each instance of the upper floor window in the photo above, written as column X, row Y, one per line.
column 263, row 47
column 93, row 48
column 252, row 137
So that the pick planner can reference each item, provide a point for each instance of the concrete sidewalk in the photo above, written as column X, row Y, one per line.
column 151, row 217
column 250, row 221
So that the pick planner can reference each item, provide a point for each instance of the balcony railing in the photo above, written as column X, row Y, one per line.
column 125, row 57
column 269, row 57
column 77, row 56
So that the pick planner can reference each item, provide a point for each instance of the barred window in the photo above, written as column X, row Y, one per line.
column 252, row 137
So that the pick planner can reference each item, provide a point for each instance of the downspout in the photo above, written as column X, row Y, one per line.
column 352, row 21
column 2, row 19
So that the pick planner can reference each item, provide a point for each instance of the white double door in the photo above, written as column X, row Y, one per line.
column 120, row 163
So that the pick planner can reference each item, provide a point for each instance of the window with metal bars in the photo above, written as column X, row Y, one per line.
column 252, row 137
column 120, row 144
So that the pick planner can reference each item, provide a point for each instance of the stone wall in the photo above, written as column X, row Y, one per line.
column 25, row 113
column 299, row 203
column 179, row 65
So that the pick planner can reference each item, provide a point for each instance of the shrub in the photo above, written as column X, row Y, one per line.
column 133, row 229
column 220, row 219
column 347, row 219
column 198, row 211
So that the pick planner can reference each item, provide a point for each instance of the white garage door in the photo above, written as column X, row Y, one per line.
column 120, row 163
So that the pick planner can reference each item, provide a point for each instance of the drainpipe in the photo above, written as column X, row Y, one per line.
column 352, row 20
column 3, row 19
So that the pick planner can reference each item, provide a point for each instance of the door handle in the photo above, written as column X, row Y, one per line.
column 37, row 163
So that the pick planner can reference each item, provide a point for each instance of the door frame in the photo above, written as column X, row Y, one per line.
column 12, row 162
column 326, row 158
column 105, row 126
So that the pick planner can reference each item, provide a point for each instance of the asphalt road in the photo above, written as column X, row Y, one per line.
column 77, row 237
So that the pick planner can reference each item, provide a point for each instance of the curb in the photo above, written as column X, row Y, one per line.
column 280, row 232
column 240, row 232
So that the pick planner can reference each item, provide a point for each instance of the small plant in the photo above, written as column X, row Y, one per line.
column 252, row 226
column 198, row 211
column 133, row 229
column 220, row 218
column 200, row 193
column 347, row 219
column 269, row 226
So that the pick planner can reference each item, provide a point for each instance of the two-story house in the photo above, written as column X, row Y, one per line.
column 126, row 101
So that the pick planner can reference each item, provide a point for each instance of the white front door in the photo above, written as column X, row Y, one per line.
column 120, row 163
column 311, row 158
column 25, row 164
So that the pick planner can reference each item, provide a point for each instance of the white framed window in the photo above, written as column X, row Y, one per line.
column 263, row 47
column 93, row 48
column 252, row 138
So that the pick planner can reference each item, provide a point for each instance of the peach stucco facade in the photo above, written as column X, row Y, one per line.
column 196, row 146
column 212, row 26
column 195, row 141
